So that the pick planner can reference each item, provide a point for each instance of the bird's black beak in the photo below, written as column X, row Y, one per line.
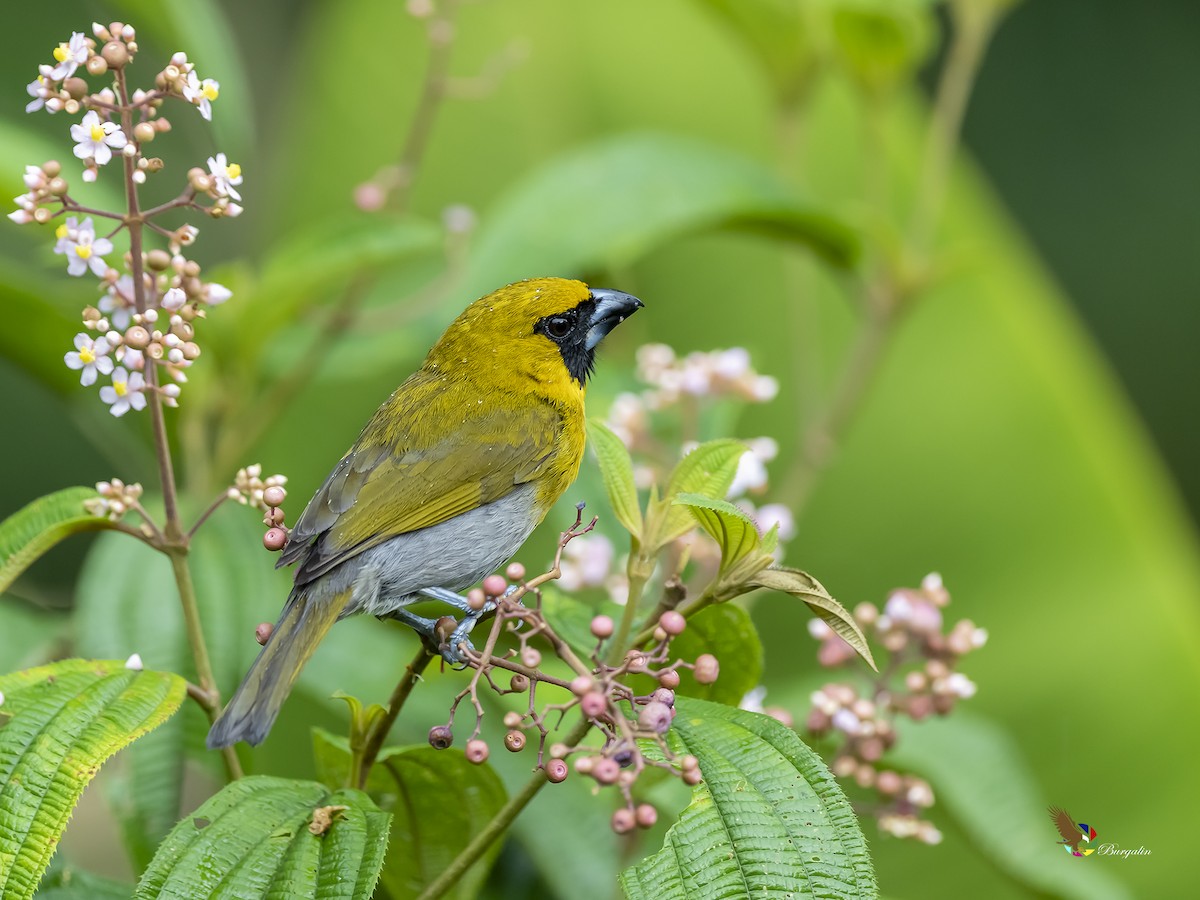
column 612, row 308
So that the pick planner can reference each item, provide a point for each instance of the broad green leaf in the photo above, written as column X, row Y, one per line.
column 726, row 632
column 780, row 37
column 572, row 617
column 707, row 470
column 768, row 820
column 58, row 724
column 29, row 634
column 38, row 526
column 617, row 470
column 982, row 779
column 880, row 43
column 610, row 203
column 439, row 802
column 69, row 883
column 263, row 837
column 733, row 530
column 804, row 587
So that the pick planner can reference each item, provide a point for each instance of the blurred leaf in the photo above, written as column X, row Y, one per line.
column 37, row 350
column 59, row 724
column 262, row 836
column 804, row 587
column 439, row 802
column 35, row 528
column 572, row 617
column 982, row 780
column 324, row 259
column 881, row 43
column 733, row 530
column 617, row 470
column 610, row 203
column 779, row 36
column 21, row 146
column 29, row 633
column 69, row 883
column 727, row 632
column 200, row 29
column 767, row 819
column 707, row 470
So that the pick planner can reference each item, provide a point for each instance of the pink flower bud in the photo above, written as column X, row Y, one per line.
column 602, row 627
column 494, row 585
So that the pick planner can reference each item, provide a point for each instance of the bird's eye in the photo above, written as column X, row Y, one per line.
column 558, row 327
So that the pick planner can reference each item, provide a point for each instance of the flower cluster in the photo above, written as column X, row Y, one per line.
column 115, row 499
column 920, row 680
column 149, row 304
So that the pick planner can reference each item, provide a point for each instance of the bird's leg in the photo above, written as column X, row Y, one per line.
column 473, row 618
column 450, row 598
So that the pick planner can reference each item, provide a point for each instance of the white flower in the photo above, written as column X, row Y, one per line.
column 118, row 303
column 23, row 214
column 95, row 139
column 216, row 294
column 753, row 701
column 38, row 90
column 90, row 356
column 772, row 514
column 82, row 248
column 225, row 176
column 125, row 392
column 751, row 475
column 173, row 299
column 731, row 364
column 69, row 56
column 134, row 662
column 201, row 93
column 586, row 561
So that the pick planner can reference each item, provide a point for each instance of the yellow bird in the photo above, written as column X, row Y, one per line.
column 444, row 483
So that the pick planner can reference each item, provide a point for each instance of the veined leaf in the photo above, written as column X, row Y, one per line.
column 277, row 837
column 59, row 723
column 707, row 470
column 438, row 801
column 639, row 191
column 768, row 819
column 733, row 530
column 804, row 587
column 38, row 526
column 617, row 470
column 726, row 632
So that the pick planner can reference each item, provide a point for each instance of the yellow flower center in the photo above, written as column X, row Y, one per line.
column 84, row 251
column 97, row 133
column 209, row 90
column 61, row 52
column 121, row 388
column 61, row 231
column 233, row 170
column 86, row 356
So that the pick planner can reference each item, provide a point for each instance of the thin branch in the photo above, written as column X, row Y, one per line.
column 381, row 727
column 212, row 508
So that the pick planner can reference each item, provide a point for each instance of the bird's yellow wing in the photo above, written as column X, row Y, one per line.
column 424, row 458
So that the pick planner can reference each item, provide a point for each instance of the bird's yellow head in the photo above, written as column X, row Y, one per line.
column 543, row 330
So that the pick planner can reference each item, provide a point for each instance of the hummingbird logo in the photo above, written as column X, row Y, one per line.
column 1073, row 833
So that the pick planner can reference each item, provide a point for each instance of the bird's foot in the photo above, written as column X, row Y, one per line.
column 450, row 650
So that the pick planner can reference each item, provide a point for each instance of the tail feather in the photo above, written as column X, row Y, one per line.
column 255, row 704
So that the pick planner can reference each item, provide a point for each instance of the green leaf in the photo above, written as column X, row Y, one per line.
column 439, row 802
column 779, row 36
column 38, row 351
column 35, row 528
column 733, row 530
column 880, row 43
column 983, row 781
column 29, row 634
column 57, row 725
column 707, row 470
column 69, row 883
column 727, row 632
column 768, row 819
column 617, row 470
column 253, row 839
column 603, row 207
column 571, row 617
column 804, row 587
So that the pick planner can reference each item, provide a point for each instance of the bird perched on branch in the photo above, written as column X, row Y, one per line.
column 445, row 482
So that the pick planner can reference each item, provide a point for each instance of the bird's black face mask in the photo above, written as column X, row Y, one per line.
column 578, row 331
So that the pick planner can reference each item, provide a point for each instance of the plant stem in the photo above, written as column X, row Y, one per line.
column 639, row 571
column 380, row 729
column 497, row 826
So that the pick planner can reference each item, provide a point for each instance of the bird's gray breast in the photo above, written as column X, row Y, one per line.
column 453, row 554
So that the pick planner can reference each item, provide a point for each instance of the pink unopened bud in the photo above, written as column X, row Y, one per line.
column 515, row 572
column 672, row 622
column 602, row 627
column 275, row 538
column 262, row 632
column 274, row 496
column 494, row 585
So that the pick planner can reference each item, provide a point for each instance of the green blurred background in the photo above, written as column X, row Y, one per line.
column 1014, row 440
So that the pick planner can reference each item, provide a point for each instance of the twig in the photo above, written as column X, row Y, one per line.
column 381, row 727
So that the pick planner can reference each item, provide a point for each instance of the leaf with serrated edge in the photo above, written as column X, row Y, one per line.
column 768, row 819
column 62, row 722
column 255, row 834
column 617, row 470
column 804, row 587
column 733, row 530
column 35, row 528
column 708, row 470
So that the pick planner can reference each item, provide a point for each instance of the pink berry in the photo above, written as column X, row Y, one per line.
column 646, row 815
column 623, row 821
column 581, row 684
column 655, row 717
column 556, row 771
column 606, row 770
column 519, row 683
column 707, row 668
column 514, row 741
column 602, row 627
column 515, row 572
column 274, row 496
column 669, row 679
column 531, row 657
column 672, row 622
column 275, row 538
column 477, row 751
column 476, row 598
column 593, row 704
column 494, row 585
column 440, row 737
column 262, row 632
